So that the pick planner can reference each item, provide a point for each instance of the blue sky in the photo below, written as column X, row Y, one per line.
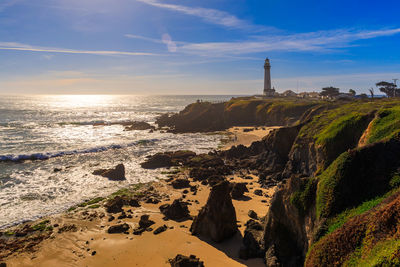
column 195, row 47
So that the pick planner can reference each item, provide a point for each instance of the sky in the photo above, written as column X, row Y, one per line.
column 196, row 47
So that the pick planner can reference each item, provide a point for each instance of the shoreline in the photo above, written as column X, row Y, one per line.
column 85, row 228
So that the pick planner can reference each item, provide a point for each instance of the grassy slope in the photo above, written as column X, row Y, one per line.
column 386, row 125
column 363, row 236
column 328, row 130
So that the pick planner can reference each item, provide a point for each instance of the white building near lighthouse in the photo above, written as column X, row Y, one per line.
column 268, row 90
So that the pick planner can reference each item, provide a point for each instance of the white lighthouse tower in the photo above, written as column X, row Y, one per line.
column 268, row 90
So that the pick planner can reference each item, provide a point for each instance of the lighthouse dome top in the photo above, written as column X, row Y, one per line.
column 267, row 63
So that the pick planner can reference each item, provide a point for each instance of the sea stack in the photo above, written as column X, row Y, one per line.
column 217, row 219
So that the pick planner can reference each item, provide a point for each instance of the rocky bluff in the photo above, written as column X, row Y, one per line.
column 236, row 112
column 337, row 166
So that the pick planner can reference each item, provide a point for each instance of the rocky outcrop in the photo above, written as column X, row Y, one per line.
column 160, row 229
column 177, row 211
column 217, row 219
column 138, row 125
column 180, row 183
column 238, row 190
column 145, row 221
column 269, row 156
column 168, row 159
column 253, row 243
column 114, row 205
column 116, row 174
column 236, row 112
column 195, row 118
column 120, row 228
column 286, row 239
column 184, row 261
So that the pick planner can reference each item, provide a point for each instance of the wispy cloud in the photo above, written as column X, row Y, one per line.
column 213, row 16
column 303, row 42
column 165, row 39
column 140, row 37
column 30, row 48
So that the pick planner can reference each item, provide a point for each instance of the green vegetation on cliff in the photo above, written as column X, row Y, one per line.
column 386, row 125
column 340, row 129
column 364, row 236
column 358, row 201
column 342, row 218
column 274, row 112
column 304, row 198
column 356, row 176
column 352, row 197
column 328, row 182
column 385, row 253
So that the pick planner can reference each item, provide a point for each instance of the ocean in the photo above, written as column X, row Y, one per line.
column 59, row 132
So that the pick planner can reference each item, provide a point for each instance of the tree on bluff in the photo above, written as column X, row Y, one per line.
column 352, row 92
column 330, row 91
column 390, row 89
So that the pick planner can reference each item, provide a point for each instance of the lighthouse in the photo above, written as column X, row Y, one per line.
column 268, row 90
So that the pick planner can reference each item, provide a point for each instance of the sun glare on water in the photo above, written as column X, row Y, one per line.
column 79, row 101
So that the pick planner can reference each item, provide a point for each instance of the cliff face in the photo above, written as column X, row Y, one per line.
column 337, row 169
column 337, row 166
column 205, row 116
column 323, row 214
column 196, row 117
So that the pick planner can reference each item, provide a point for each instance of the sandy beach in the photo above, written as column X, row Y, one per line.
column 85, row 241
column 246, row 135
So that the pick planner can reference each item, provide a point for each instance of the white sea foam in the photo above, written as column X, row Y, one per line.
column 48, row 155
column 40, row 128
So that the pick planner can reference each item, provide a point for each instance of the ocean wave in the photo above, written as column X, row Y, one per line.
column 48, row 155
column 99, row 122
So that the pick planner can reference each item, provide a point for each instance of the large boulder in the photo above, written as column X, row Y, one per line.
column 177, row 211
column 209, row 160
column 145, row 221
column 115, row 205
column 119, row 228
column 159, row 160
column 201, row 173
column 168, row 159
column 115, row 174
column 180, row 183
column 253, row 246
column 238, row 189
column 184, row 261
column 217, row 219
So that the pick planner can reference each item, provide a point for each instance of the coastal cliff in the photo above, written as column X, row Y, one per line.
column 337, row 168
column 340, row 172
column 244, row 111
